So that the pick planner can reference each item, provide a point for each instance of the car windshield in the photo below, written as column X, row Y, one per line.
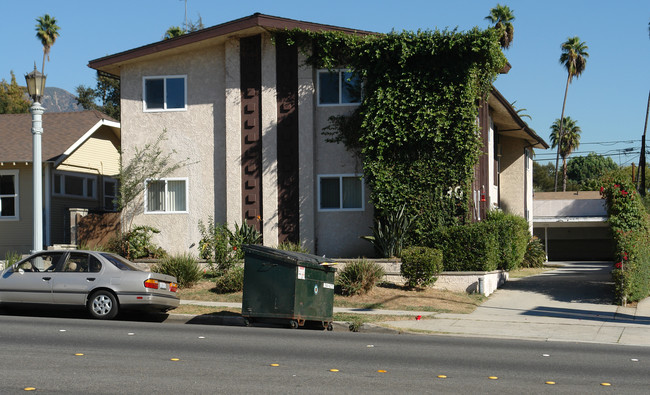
column 120, row 262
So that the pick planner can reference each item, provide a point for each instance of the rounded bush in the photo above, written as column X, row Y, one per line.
column 230, row 281
column 421, row 265
column 359, row 277
column 184, row 267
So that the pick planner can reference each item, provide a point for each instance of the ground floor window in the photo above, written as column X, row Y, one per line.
column 75, row 185
column 167, row 195
column 9, row 194
column 340, row 192
column 110, row 194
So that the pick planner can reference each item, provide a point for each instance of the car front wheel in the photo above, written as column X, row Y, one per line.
column 102, row 305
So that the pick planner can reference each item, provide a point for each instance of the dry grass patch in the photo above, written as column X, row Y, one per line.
column 394, row 297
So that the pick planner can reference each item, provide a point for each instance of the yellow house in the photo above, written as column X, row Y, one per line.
column 80, row 155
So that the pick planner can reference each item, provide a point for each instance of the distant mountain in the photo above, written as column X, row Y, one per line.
column 60, row 100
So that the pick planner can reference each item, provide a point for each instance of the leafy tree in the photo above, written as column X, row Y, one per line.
column 587, row 171
column 173, row 32
column 574, row 58
column 566, row 136
column 188, row 27
column 148, row 162
column 501, row 16
column 107, row 93
column 12, row 97
column 543, row 177
column 47, row 32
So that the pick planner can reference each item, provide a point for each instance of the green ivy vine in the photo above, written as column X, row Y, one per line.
column 416, row 129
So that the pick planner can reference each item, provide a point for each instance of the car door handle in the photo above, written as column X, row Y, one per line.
column 47, row 278
column 90, row 279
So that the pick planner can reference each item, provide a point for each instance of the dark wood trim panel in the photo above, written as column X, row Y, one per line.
column 251, row 131
column 287, row 143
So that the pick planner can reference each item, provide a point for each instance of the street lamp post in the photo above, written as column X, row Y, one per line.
column 35, row 87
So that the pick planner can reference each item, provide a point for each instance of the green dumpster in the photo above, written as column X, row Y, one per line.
column 290, row 286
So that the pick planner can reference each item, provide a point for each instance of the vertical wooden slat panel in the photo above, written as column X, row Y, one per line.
column 287, row 151
column 251, row 117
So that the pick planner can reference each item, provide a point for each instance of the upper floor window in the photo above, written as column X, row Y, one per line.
column 167, row 93
column 338, row 87
column 167, row 195
column 340, row 192
column 9, row 194
column 75, row 185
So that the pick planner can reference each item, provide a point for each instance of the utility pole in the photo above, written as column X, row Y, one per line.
column 642, row 188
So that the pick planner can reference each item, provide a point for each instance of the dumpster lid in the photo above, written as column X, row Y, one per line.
column 288, row 256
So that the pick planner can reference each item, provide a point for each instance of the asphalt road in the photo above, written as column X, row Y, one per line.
column 149, row 357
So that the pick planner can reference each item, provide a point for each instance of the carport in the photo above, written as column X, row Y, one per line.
column 573, row 225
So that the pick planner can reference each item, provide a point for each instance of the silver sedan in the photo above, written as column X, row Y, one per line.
column 102, row 282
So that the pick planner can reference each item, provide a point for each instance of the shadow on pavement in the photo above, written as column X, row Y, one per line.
column 578, row 283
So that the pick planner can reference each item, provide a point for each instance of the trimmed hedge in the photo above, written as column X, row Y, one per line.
column 631, row 229
column 472, row 247
column 420, row 266
column 512, row 234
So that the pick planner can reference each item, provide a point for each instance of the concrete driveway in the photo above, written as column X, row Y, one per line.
column 570, row 303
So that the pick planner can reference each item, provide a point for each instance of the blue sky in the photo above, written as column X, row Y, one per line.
column 608, row 101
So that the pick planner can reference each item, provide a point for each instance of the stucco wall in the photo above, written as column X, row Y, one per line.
column 195, row 135
column 338, row 232
column 512, row 177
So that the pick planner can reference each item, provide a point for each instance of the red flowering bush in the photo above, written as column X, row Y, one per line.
column 631, row 230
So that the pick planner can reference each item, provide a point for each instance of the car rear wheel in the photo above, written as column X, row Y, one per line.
column 102, row 305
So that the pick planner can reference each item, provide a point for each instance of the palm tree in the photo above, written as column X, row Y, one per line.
column 501, row 16
column 565, row 136
column 574, row 58
column 47, row 31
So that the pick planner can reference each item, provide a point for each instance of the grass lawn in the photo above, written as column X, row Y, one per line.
column 385, row 296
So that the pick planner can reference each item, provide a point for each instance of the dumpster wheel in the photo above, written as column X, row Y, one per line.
column 330, row 327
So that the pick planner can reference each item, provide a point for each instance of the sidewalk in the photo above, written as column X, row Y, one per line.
column 572, row 303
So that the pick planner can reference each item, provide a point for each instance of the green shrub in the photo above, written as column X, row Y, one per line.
column 535, row 255
column 245, row 234
column 137, row 244
column 512, row 234
column 631, row 229
column 389, row 233
column 359, row 277
column 295, row 247
column 184, row 267
column 230, row 281
column 471, row 247
column 11, row 257
column 420, row 266
column 215, row 247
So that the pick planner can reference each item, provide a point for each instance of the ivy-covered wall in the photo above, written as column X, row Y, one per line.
column 416, row 129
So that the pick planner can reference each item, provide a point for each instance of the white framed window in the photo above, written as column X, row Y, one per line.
column 9, row 195
column 164, row 93
column 166, row 195
column 338, row 87
column 110, row 194
column 340, row 192
column 75, row 185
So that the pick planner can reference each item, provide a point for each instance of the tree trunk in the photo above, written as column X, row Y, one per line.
column 564, row 174
column 561, row 134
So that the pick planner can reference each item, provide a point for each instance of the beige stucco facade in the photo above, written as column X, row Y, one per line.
column 208, row 133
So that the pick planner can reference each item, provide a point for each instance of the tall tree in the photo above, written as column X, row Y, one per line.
column 12, row 97
column 502, row 16
column 47, row 32
column 566, row 136
column 107, row 93
column 574, row 58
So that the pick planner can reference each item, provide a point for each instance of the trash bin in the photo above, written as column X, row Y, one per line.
column 289, row 286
